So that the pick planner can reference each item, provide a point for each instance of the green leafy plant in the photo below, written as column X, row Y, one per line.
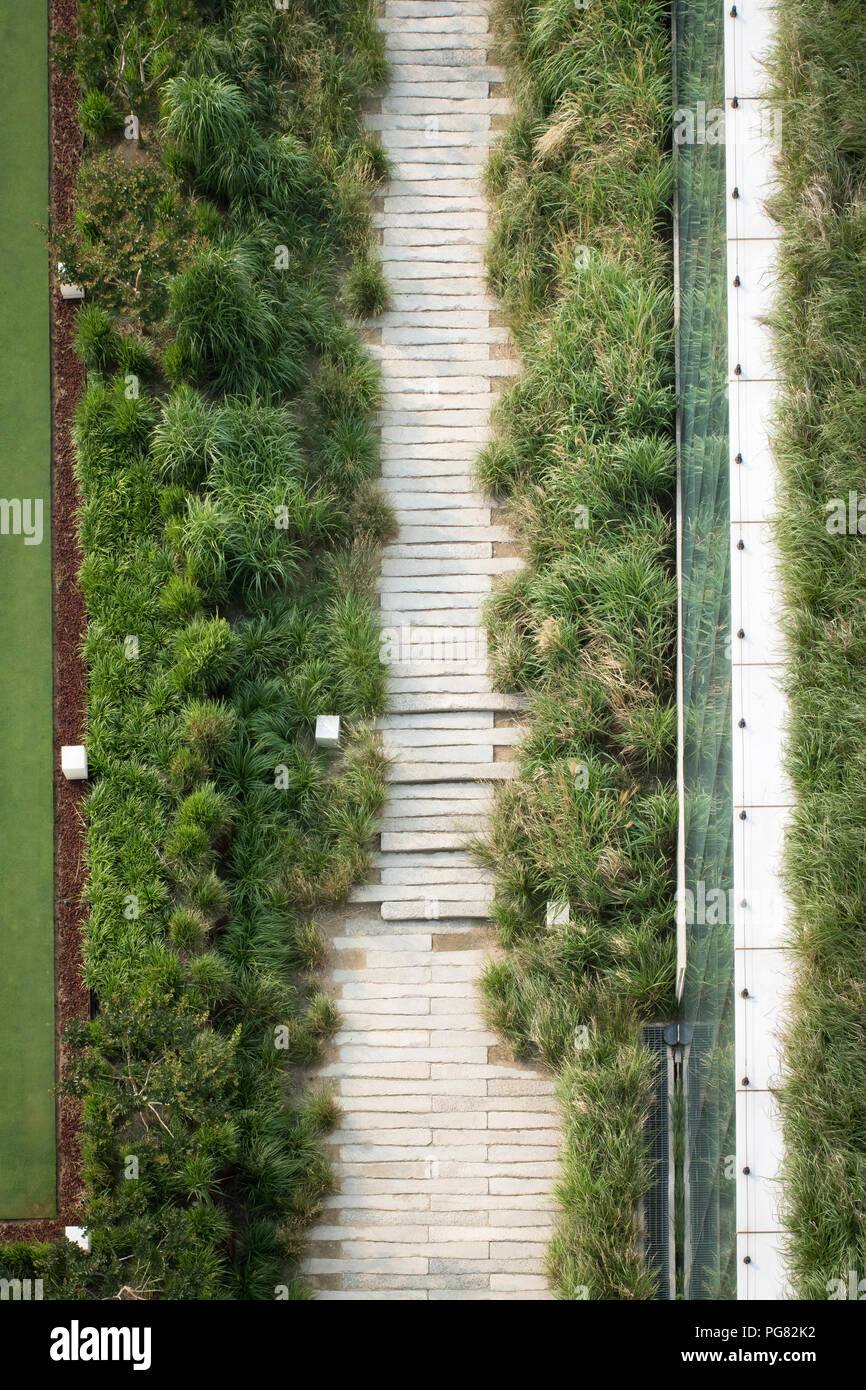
column 817, row 72
column 97, row 341
column 230, row 599
column 97, row 113
column 119, row 246
column 366, row 289
column 126, row 50
column 583, row 457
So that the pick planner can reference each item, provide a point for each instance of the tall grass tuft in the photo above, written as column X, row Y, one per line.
column 230, row 600
column 583, row 457
column 820, row 330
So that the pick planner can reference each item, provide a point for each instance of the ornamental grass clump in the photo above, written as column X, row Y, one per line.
column 583, row 457
column 818, row 71
column 228, row 575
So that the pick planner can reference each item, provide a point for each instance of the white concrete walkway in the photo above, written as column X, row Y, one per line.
column 447, row 1151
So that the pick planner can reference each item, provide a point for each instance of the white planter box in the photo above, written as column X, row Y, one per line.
column 79, row 1236
column 557, row 914
column 328, row 731
column 67, row 289
column 73, row 762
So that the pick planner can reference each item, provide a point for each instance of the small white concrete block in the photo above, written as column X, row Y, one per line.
column 68, row 290
column 79, row 1236
column 73, row 762
column 328, row 730
column 557, row 914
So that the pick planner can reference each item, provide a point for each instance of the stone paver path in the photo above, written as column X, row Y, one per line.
column 446, row 1154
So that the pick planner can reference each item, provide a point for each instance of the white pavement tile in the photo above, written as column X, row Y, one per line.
column 447, row 1151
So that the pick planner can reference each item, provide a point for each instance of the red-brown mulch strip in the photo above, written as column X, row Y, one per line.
column 67, row 382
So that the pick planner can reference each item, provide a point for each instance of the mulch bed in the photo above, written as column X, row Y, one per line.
column 67, row 380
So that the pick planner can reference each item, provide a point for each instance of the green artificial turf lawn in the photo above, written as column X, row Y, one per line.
column 27, row 1121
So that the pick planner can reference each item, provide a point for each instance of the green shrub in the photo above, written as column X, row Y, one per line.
column 187, row 929
column 134, row 357
column 208, row 809
column 583, row 455
column 97, row 113
column 117, row 245
column 207, row 120
column 211, row 977
column 366, row 289
column 209, row 725
column 208, row 220
column 185, row 441
column 97, row 341
column 204, row 653
column 181, row 599
column 208, row 528
column 598, row 1249
column 228, row 334
column 349, row 382
column 100, row 50
column 820, row 331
